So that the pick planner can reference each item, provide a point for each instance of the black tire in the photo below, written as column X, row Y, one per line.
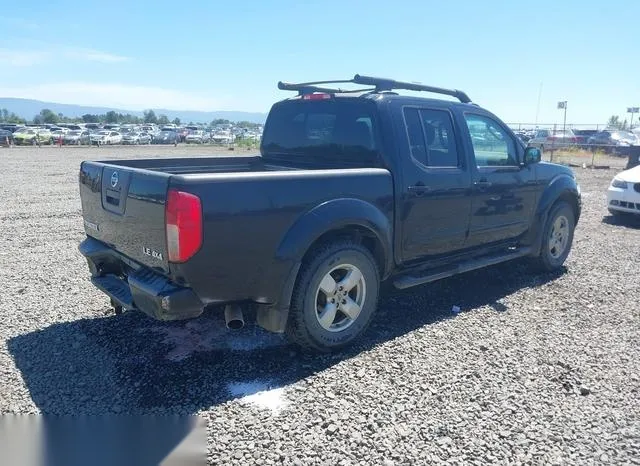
column 546, row 261
column 303, row 326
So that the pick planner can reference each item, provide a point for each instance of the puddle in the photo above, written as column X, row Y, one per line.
column 207, row 334
column 259, row 394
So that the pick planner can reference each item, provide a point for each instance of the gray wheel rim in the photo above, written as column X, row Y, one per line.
column 559, row 236
column 340, row 297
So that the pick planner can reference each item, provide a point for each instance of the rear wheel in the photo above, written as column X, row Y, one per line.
column 557, row 237
column 335, row 297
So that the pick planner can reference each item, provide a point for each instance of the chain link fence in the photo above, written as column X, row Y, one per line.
column 593, row 145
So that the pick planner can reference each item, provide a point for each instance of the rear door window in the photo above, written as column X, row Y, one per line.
column 431, row 137
column 341, row 130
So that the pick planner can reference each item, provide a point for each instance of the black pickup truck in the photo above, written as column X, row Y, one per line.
column 352, row 187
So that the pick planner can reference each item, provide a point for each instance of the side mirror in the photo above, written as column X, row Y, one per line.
column 532, row 155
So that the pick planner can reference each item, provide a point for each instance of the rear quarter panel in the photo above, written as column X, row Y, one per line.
column 248, row 218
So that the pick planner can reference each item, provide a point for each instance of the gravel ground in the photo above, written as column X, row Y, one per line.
column 541, row 369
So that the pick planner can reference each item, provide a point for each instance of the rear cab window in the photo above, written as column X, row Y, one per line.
column 336, row 131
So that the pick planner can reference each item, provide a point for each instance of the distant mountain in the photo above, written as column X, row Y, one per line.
column 27, row 108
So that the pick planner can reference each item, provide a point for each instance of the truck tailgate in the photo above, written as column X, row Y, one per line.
column 124, row 207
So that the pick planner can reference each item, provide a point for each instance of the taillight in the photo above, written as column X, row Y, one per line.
column 183, row 222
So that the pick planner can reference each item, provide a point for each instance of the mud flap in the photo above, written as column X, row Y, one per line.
column 272, row 319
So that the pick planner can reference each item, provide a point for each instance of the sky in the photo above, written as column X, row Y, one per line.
column 229, row 55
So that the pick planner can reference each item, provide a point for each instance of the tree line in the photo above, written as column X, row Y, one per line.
column 47, row 116
column 616, row 122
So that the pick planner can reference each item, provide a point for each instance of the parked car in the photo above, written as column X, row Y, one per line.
column 195, row 137
column 77, row 137
column 583, row 135
column 58, row 134
column 546, row 139
column 72, row 127
column 130, row 138
column 166, row 137
column 525, row 135
column 182, row 133
column 149, row 129
column 11, row 127
column 134, row 138
column 623, row 195
column 144, row 138
column 6, row 137
column 610, row 140
column 123, row 130
column 223, row 137
column 105, row 137
column 31, row 136
column 347, row 191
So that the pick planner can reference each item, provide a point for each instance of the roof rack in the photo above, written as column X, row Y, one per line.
column 379, row 85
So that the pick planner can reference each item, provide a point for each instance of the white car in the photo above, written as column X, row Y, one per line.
column 106, row 137
column 624, row 192
column 195, row 137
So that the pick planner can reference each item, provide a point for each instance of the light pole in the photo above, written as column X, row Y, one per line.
column 632, row 110
column 538, row 106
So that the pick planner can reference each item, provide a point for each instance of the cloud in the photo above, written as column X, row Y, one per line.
column 22, row 58
column 92, row 55
column 125, row 96
column 18, row 58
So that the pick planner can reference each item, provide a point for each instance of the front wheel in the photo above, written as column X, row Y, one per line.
column 557, row 238
column 335, row 297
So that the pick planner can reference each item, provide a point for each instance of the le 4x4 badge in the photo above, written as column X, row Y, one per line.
column 150, row 252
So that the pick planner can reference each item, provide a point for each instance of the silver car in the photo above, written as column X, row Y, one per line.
column 546, row 139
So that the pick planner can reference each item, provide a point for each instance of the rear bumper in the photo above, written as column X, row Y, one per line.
column 135, row 287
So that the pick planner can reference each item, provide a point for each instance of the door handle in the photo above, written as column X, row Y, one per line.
column 483, row 184
column 418, row 189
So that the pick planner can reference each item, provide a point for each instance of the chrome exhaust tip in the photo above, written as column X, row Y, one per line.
column 233, row 317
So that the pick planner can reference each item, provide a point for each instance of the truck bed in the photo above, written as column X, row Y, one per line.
column 178, row 166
